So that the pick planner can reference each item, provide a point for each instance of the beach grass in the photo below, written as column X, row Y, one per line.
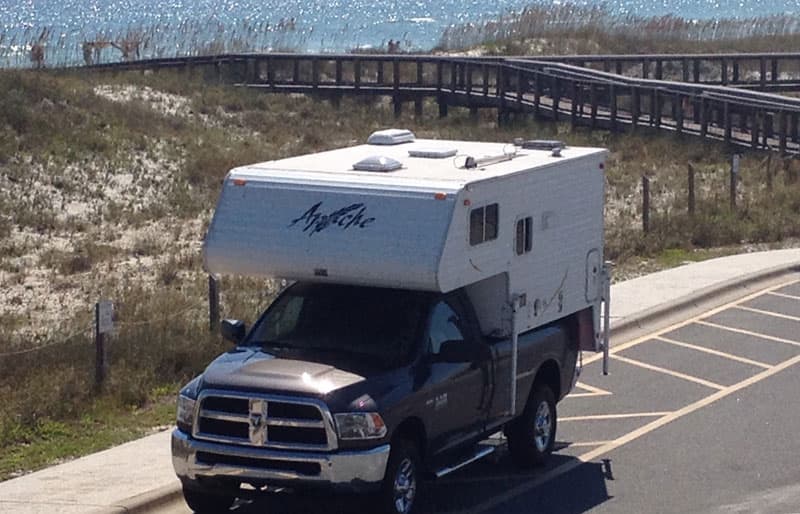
column 572, row 28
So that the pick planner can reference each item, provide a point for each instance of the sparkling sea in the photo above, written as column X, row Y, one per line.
column 180, row 27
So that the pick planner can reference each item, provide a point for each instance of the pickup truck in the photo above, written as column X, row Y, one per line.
column 365, row 389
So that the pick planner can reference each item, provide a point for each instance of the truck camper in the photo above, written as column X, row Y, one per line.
column 442, row 292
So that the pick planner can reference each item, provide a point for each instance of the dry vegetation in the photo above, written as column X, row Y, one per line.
column 106, row 187
column 574, row 28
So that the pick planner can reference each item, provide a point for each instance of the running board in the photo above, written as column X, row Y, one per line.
column 480, row 452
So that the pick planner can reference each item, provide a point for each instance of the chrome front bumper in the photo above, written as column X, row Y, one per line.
column 346, row 470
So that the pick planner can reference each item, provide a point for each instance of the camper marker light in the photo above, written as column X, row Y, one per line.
column 440, row 196
column 360, row 425
column 239, row 182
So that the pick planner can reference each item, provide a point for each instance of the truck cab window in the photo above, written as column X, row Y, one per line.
column 443, row 327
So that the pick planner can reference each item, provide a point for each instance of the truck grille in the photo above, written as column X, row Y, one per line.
column 264, row 421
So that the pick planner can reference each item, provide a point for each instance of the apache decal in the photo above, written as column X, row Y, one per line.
column 352, row 216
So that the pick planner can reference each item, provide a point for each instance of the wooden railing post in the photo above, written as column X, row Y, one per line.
column 782, row 137
column 726, row 121
column 612, row 92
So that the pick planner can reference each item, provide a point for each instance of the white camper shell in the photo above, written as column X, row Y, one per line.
column 520, row 229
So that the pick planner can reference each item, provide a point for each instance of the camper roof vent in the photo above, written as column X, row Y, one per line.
column 377, row 163
column 539, row 144
column 432, row 152
column 390, row 137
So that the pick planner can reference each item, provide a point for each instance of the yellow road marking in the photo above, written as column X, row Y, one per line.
column 784, row 295
column 670, row 372
column 711, row 351
column 750, row 333
column 631, row 436
column 614, row 416
column 767, row 313
column 695, row 319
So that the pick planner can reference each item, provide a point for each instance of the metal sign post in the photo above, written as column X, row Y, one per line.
column 103, row 324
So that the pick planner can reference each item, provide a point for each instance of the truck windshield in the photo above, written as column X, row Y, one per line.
column 383, row 324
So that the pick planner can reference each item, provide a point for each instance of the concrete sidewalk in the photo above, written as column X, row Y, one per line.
column 137, row 475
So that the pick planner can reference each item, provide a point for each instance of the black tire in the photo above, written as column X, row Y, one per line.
column 531, row 436
column 401, row 484
column 202, row 502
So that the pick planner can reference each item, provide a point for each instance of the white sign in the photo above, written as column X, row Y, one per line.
column 735, row 164
column 105, row 317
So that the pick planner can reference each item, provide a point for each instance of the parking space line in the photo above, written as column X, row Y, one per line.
column 784, row 295
column 629, row 437
column 670, row 372
column 750, row 333
column 615, row 416
column 696, row 319
column 587, row 444
column 711, row 351
column 593, row 391
column 767, row 313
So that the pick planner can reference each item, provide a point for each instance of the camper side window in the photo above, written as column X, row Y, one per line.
column 524, row 242
column 483, row 224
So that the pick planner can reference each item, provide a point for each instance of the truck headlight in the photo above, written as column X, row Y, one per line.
column 360, row 425
column 185, row 415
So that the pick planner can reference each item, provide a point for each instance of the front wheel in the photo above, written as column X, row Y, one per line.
column 401, row 483
column 202, row 502
column 531, row 437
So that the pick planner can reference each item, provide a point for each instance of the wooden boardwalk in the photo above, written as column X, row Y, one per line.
column 732, row 97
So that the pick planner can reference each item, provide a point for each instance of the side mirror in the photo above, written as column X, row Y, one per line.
column 456, row 351
column 233, row 330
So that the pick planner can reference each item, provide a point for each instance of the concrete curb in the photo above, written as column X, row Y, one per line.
column 695, row 303
column 144, row 502
column 626, row 329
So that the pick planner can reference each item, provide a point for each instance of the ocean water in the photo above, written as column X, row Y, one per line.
column 179, row 27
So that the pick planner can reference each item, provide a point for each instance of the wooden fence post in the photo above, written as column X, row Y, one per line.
column 734, row 173
column 691, row 190
column 103, row 323
column 645, row 204
column 213, row 303
column 769, row 172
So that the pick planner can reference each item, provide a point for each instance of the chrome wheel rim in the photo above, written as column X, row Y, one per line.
column 405, row 487
column 542, row 426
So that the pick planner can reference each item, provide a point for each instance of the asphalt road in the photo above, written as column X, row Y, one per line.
column 700, row 417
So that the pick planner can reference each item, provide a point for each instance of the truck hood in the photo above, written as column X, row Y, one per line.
column 255, row 370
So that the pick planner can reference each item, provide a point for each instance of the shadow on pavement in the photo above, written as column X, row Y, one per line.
column 491, row 486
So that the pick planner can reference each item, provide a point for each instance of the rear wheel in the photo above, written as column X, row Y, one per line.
column 531, row 436
column 202, row 502
column 401, row 484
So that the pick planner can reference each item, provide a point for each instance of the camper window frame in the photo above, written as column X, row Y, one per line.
column 485, row 235
column 527, row 235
